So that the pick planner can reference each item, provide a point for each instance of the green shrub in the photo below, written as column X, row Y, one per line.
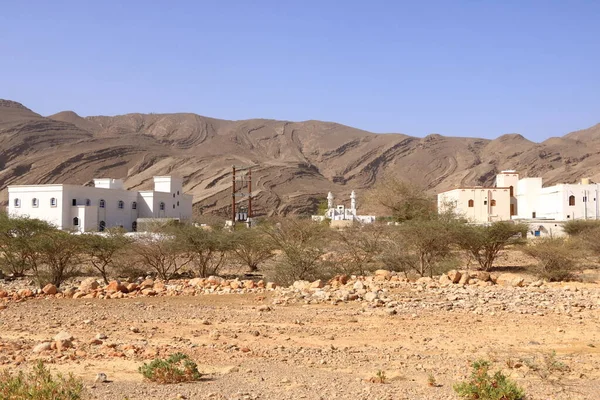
column 39, row 384
column 556, row 258
column 482, row 386
column 175, row 369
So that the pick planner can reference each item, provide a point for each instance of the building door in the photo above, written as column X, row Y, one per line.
column 512, row 210
column 533, row 214
column 102, row 226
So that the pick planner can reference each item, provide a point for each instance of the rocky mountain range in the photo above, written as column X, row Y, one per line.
column 296, row 163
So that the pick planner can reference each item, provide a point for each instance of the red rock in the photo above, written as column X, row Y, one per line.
column 116, row 286
column 132, row 287
column 149, row 292
column 235, row 284
column 50, row 289
column 3, row 293
column 159, row 286
column 271, row 285
column 147, row 284
column 78, row 295
column 248, row 284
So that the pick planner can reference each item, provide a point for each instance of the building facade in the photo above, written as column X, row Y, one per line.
column 107, row 204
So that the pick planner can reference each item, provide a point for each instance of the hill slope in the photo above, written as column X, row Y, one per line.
column 297, row 163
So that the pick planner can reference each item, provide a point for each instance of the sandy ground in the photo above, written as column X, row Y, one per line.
column 299, row 351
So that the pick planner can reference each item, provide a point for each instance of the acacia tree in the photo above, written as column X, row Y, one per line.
column 556, row 258
column 58, row 256
column 18, row 253
column 302, row 244
column 205, row 248
column 402, row 200
column 419, row 245
column 162, row 253
column 483, row 243
column 103, row 251
column 358, row 248
column 251, row 247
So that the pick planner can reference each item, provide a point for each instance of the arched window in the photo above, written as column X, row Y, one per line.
column 88, row 202
column 571, row 200
column 53, row 202
column 134, row 205
column 162, row 206
column 17, row 202
column 102, row 203
column 102, row 226
column 121, row 204
column 512, row 191
column 493, row 203
column 35, row 202
column 471, row 203
column 75, row 221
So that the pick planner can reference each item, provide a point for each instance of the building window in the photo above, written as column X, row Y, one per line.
column 34, row 202
column 584, row 199
column 102, row 226
column 173, row 206
column 134, row 226
column 162, row 206
column 177, row 204
column 102, row 203
column 178, row 193
column 511, row 189
column 173, row 195
column 485, row 202
column 74, row 202
column 533, row 214
column 134, row 205
column 471, row 203
column 53, row 202
column 493, row 203
column 88, row 202
column 17, row 203
column 75, row 221
column 121, row 204
column 571, row 200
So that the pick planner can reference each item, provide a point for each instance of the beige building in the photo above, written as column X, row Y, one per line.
column 480, row 204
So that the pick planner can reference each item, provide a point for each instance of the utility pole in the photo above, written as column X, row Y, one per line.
column 243, row 189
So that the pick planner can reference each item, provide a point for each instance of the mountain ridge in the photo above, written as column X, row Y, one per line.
column 297, row 163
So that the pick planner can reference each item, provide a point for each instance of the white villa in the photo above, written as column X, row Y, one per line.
column 342, row 213
column 107, row 204
column 544, row 208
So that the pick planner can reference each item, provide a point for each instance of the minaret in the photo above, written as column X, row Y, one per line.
column 330, row 200
column 353, row 202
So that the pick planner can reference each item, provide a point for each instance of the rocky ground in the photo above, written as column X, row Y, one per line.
column 313, row 340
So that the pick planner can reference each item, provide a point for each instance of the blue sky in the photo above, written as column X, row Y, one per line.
column 460, row 68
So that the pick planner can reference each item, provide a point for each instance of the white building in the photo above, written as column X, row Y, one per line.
column 480, row 204
column 342, row 213
column 107, row 204
column 562, row 202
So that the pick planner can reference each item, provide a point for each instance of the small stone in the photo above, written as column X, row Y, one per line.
column 44, row 346
column 63, row 335
column 88, row 285
column 101, row 378
column 264, row 308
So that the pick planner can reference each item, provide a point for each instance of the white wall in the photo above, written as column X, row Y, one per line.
column 43, row 194
column 482, row 210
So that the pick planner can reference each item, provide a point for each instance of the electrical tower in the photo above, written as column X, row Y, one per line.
column 241, row 187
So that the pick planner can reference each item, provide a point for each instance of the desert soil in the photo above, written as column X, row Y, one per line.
column 283, row 345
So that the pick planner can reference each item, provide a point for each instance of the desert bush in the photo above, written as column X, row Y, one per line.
column 556, row 258
column 482, row 386
column 103, row 251
column 422, row 246
column 18, row 253
column 302, row 244
column 359, row 248
column 175, row 369
column 39, row 384
column 483, row 243
column 206, row 250
column 577, row 227
column 251, row 248
column 161, row 252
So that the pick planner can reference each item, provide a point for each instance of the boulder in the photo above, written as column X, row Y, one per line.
column 384, row 273
column 147, row 284
column 445, row 280
column 359, row 285
column 454, row 276
column 271, row 285
column 509, row 279
column 371, row 296
column 317, row 284
column 25, row 293
column 248, row 284
column 116, row 286
column 483, row 276
column 196, row 282
column 301, row 285
column 464, row 279
column 50, row 289
column 424, row 280
column 63, row 335
column 89, row 284
column 3, row 293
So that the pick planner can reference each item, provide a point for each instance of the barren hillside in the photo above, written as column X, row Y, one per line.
column 297, row 163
